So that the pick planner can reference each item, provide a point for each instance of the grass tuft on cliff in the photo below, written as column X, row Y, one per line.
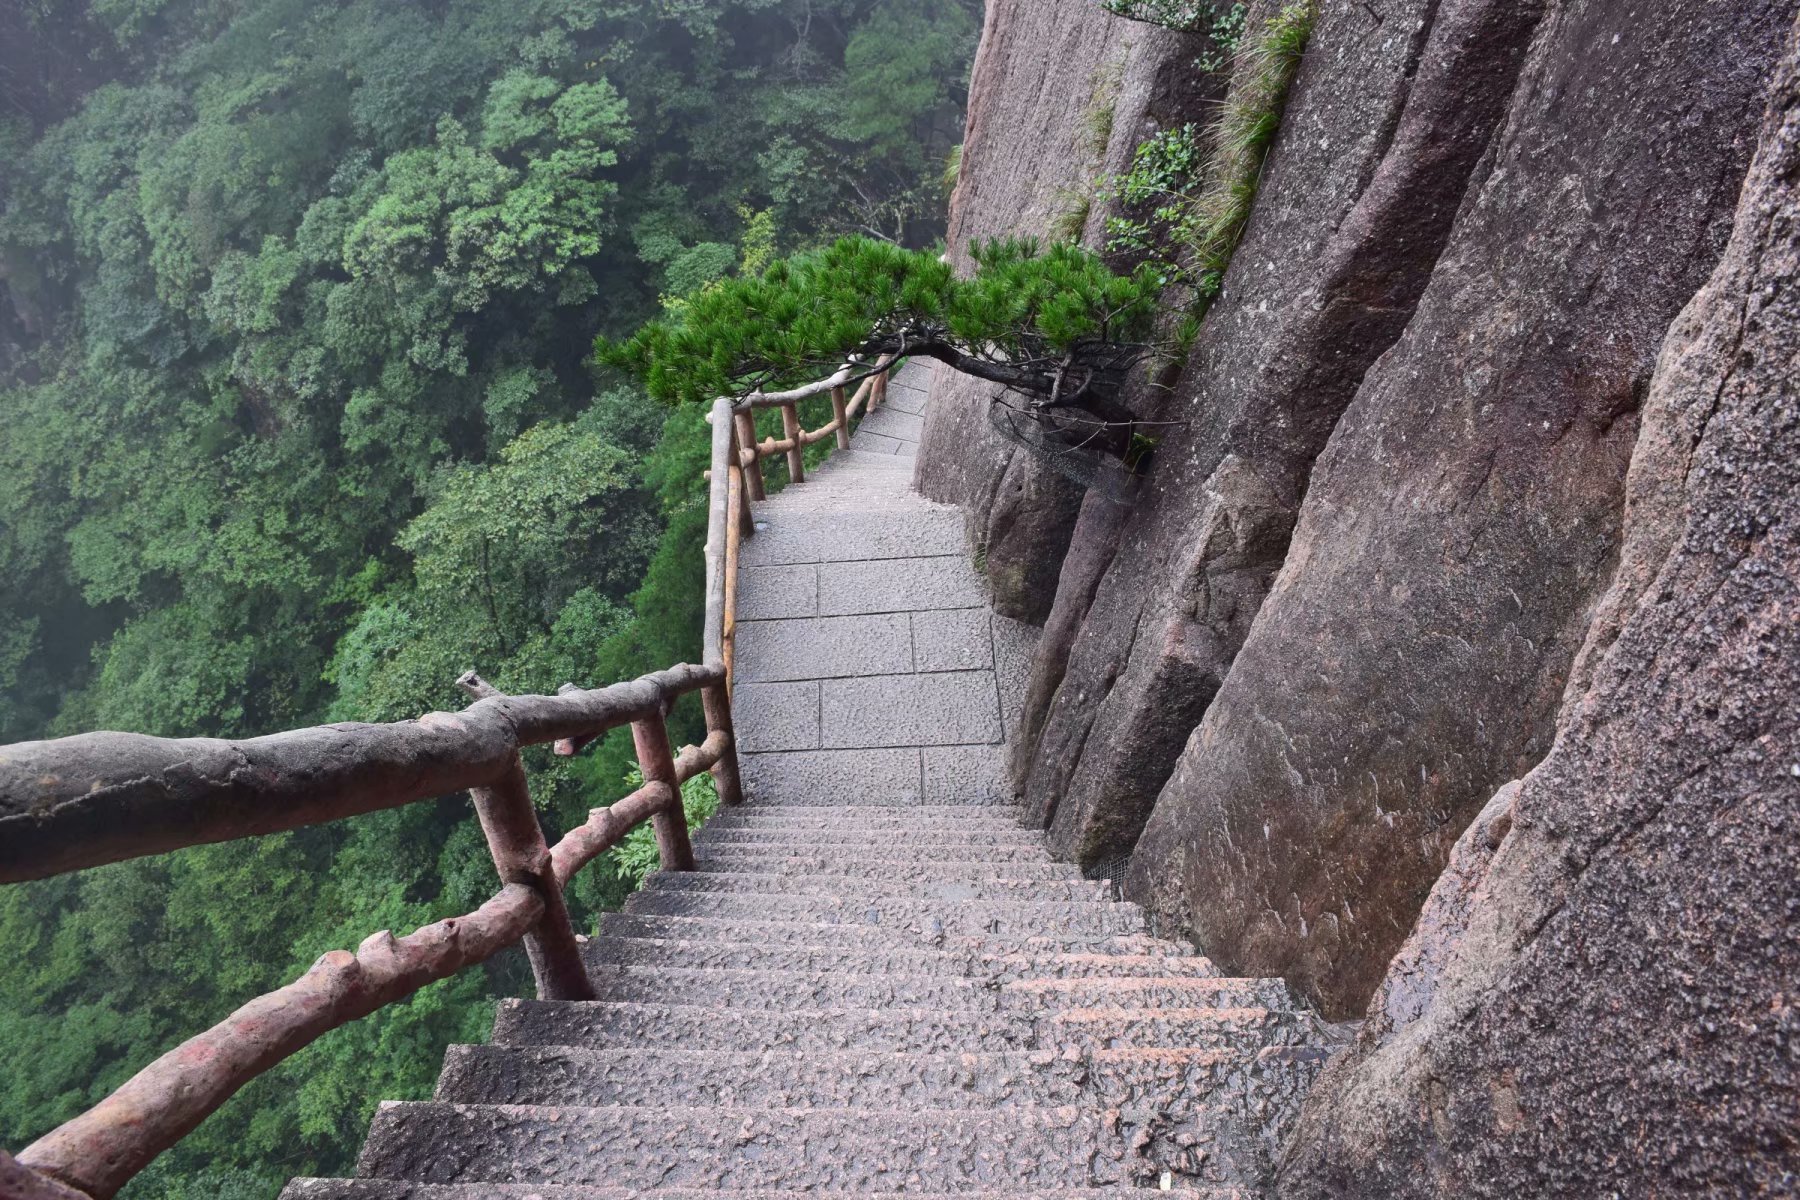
column 1261, row 76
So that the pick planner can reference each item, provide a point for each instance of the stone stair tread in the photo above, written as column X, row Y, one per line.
column 736, row 955
column 997, row 886
column 835, row 935
column 604, row 1024
column 661, row 1077
column 741, row 987
column 405, row 1189
column 927, row 917
column 757, row 814
column 724, row 835
column 916, row 869
column 854, row 1149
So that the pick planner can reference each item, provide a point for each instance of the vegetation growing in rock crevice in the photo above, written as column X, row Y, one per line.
column 1192, row 187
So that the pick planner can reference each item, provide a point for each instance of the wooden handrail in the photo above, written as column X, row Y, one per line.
column 54, row 791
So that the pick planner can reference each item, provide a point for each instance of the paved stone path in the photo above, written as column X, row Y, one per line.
column 877, row 982
column 869, row 668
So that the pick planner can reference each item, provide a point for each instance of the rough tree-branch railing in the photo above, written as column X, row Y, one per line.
column 103, row 797
column 737, row 479
column 98, row 798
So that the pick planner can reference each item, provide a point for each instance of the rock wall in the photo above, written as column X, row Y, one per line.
column 1061, row 95
column 1465, row 520
column 1385, row 123
column 1599, row 998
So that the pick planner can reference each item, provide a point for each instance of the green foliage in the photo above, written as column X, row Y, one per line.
column 1024, row 305
column 305, row 426
column 637, row 856
column 1190, row 190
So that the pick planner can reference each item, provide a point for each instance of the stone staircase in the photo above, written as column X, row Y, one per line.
column 877, row 981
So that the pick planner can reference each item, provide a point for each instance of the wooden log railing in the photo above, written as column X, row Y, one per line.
column 737, row 482
column 103, row 797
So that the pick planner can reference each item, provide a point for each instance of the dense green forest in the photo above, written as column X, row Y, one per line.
column 300, row 418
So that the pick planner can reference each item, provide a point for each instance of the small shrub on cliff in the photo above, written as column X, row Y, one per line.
column 1052, row 322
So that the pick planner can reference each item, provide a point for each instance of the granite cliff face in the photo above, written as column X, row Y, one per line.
column 1598, row 998
column 1343, row 604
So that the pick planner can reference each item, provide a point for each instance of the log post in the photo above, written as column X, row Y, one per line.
column 878, row 396
column 717, row 701
column 840, row 411
column 516, row 841
column 657, row 761
column 745, row 423
column 790, row 432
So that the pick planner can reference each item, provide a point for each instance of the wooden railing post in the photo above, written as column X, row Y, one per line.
column 657, row 761
column 516, row 841
column 878, row 396
column 840, row 410
column 745, row 422
column 717, row 702
column 790, row 431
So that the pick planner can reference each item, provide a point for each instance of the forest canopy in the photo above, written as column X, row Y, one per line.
column 299, row 420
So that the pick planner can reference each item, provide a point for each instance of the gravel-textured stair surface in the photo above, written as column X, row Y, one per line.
column 877, row 981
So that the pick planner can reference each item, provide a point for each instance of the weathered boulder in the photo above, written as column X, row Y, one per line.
column 1599, row 996
column 1386, row 122
column 1465, row 518
column 1060, row 96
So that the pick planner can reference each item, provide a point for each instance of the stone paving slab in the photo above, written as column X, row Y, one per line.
column 977, row 774
column 900, row 585
column 824, row 647
column 776, row 716
column 957, row 708
column 854, row 537
column 765, row 593
column 905, row 399
column 875, row 443
column 894, row 423
column 834, row 777
column 955, row 639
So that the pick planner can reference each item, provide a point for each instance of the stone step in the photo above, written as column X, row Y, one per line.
column 963, row 918
column 733, row 955
column 768, row 990
column 870, row 839
column 885, row 868
column 659, row 1077
column 613, row 1025
column 867, row 938
column 895, row 850
column 740, row 988
column 872, row 816
column 405, row 1189
column 998, row 885
column 846, row 1149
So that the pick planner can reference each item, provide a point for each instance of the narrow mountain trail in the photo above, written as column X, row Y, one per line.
column 877, row 981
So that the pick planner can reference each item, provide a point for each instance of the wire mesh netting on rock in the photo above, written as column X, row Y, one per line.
column 1073, row 443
